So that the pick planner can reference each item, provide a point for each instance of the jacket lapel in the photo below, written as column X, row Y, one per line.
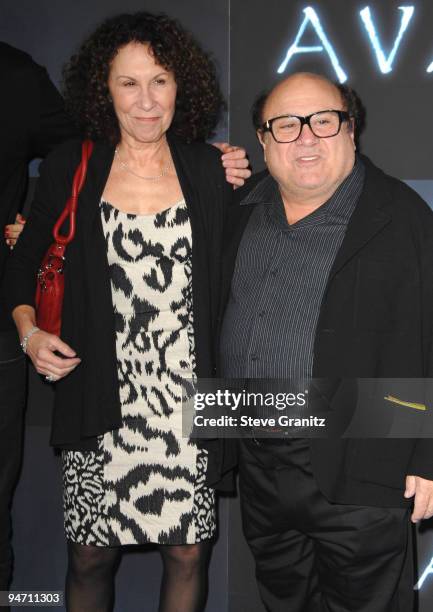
column 94, row 247
column 97, row 174
column 371, row 215
column 182, row 168
column 234, row 228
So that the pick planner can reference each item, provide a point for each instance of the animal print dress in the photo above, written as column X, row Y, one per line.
column 146, row 482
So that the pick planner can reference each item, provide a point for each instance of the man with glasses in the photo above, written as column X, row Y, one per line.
column 328, row 274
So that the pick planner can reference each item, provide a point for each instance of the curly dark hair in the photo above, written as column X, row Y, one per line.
column 199, row 101
column 351, row 103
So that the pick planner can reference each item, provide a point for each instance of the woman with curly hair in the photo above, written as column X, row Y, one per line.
column 140, row 303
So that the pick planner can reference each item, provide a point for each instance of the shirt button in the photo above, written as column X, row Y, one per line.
column 262, row 314
column 274, row 272
column 254, row 357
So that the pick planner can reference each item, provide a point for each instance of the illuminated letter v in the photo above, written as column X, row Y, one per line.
column 385, row 63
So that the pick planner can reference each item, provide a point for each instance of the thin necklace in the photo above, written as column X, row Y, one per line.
column 157, row 177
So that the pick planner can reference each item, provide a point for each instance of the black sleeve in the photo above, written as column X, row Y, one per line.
column 51, row 125
column 421, row 463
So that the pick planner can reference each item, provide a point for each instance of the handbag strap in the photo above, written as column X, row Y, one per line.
column 70, row 209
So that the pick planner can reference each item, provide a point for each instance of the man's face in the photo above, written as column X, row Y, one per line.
column 310, row 167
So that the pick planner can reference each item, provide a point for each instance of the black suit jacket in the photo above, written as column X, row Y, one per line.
column 376, row 321
column 33, row 121
column 87, row 401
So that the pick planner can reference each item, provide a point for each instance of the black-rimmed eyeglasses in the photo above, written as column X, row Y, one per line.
column 288, row 128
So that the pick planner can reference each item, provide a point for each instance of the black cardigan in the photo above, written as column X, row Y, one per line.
column 87, row 401
column 375, row 321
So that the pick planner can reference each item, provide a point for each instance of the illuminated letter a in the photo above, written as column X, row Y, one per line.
column 311, row 17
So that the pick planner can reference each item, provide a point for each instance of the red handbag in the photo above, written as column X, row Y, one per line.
column 50, row 279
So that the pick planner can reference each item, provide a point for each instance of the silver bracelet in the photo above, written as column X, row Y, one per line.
column 27, row 337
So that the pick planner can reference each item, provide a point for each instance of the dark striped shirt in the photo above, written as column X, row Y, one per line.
column 279, row 280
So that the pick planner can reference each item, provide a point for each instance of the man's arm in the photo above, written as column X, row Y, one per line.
column 419, row 481
column 235, row 162
column 51, row 125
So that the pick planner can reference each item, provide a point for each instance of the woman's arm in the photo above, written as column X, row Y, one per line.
column 41, row 346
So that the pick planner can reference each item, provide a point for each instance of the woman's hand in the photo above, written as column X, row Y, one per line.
column 235, row 162
column 40, row 349
column 13, row 231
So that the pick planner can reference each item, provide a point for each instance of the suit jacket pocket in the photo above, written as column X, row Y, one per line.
column 381, row 461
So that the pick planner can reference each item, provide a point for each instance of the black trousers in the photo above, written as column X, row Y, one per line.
column 312, row 555
column 12, row 401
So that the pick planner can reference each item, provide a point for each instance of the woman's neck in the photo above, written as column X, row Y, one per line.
column 144, row 153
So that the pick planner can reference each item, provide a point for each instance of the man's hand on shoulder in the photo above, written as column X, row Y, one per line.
column 236, row 164
column 422, row 489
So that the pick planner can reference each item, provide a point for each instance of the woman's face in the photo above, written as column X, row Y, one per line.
column 143, row 93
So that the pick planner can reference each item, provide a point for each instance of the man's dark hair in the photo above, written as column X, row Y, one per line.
column 353, row 105
column 257, row 108
column 199, row 100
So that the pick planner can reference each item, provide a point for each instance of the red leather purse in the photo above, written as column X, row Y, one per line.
column 50, row 279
